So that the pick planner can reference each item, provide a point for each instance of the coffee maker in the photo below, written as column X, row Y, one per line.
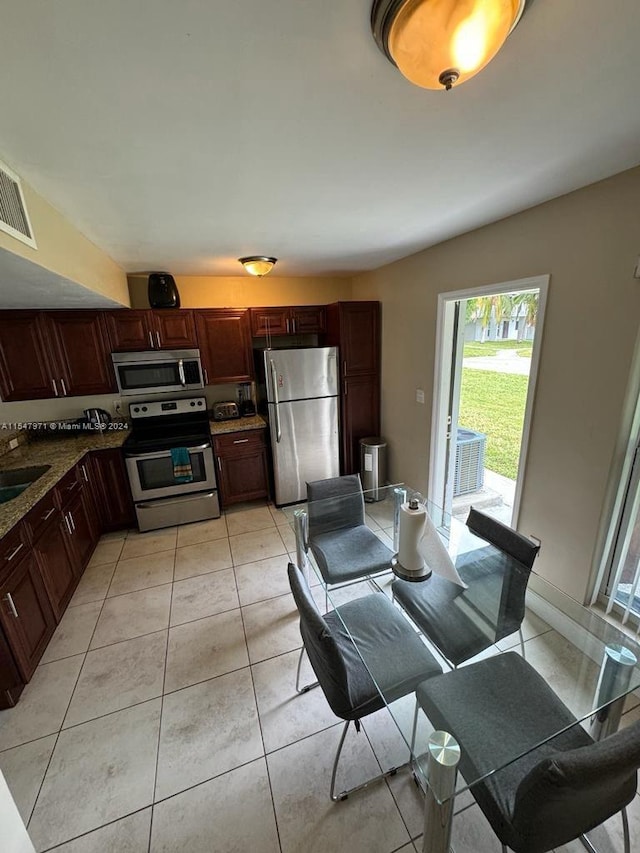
column 245, row 400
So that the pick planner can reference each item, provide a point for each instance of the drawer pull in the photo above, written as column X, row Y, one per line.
column 14, row 552
column 84, row 473
column 72, row 486
column 241, row 441
column 55, row 387
column 150, row 340
column 48, row 514
column 12, row 606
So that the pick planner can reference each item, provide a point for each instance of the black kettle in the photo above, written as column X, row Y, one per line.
column 97, row 418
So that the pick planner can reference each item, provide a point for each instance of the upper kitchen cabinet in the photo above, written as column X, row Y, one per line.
column 81, row 361
column 224, row 338
column 355, row 328
column 134, row 330
column 296, row 320
column 53, row 354
column 24, row 365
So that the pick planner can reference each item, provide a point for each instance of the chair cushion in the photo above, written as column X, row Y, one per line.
column 348, row 554
column 503, row 537
column 396, row 656
column 461, row 623
column 500, row 707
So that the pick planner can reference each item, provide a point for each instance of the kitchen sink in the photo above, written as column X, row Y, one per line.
column 16, row 480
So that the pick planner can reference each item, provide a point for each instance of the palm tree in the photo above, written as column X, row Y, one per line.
column 527, row 304
column 485, row 309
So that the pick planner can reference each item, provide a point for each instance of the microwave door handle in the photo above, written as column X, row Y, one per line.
column 276, row 402
column 183, row 378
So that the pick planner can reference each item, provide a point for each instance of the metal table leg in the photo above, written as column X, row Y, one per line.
column 443, row 754
column 615, row 677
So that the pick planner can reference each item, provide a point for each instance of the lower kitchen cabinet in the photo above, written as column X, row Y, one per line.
column 111, row 490
column 81, row 531
column 26, row 616
column 56, row 567
column 360, row 404
column 11, row 683
column 242, row 466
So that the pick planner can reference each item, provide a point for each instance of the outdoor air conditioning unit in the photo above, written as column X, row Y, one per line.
column 469, row 473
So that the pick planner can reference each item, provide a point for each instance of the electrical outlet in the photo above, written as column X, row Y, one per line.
column 419, row 395
column 117, row 407
column 13, row 443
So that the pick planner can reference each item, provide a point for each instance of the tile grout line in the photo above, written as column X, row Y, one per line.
column 64, row 716
column 264, row 751
column 164, row 679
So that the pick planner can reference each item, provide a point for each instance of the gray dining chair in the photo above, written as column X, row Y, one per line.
column 459, row 622
column 498, row 708
column 397, row 660
column 345, row 549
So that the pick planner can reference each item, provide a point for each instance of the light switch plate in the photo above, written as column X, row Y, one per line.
column 419, row 395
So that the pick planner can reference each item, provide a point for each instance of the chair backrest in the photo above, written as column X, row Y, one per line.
column 569, row 793
column 514, row 581
column 334, row 504
column 505, row 538
column 322, row 649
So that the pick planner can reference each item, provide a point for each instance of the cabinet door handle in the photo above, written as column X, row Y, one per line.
column 12, row 606
column 151, row 340
column 344, row 368
column 346, row 388
column 73, row 486
column 73, row 524
column 66, row 521
column 48, row 514
column 219, row 464
column 241, row 441
column 84, row 473
column 287, row 326
column 63, row 386
column 55, row 387
column 293, row 326
column 14, row 552
column 158, row 339
column 206, row 376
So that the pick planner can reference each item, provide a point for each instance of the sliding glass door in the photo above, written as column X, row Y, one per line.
column 623, row 586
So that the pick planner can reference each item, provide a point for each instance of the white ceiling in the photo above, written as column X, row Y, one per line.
column 181, row 135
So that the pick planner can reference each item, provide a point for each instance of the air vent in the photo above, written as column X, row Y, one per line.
column 14, row 219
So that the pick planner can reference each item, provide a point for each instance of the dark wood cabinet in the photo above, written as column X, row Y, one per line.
column 24, row 364
column 51, row 551
column 288, row 320
column 225, row 345
column 111, row 491
column 26, row 616
column 11, row 682
column 81, row 534
column 354, row 327
column 242, row 466
column 131, row 331
column 81, row 361
column 360, row 405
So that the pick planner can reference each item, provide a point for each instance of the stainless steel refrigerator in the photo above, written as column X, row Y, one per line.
column 302, row 401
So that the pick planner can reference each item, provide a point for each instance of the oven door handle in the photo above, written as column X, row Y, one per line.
column 163, row 453
column 166, row 501
column 183, row 378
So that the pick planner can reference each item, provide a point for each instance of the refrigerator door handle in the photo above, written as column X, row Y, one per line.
column 276, row 402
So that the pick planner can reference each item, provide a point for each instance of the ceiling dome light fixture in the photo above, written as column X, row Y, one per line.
column 439, row 43
column 258, row 264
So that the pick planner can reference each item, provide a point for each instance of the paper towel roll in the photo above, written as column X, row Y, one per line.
column 433, row 551
column 411, row 528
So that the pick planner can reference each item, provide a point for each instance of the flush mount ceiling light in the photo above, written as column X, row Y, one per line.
column 258, row 264
column 439, row 43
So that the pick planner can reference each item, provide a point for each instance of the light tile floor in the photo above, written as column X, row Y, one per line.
column 163, row 716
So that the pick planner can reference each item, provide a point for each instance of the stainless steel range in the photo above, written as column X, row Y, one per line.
column 162, row 498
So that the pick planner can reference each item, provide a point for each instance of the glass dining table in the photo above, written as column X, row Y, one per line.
column 589, row 663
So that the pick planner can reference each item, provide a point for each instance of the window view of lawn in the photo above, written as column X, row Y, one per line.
column 493, row 403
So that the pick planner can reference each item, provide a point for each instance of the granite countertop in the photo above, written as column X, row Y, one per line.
column 237, row 425
column 61, row 454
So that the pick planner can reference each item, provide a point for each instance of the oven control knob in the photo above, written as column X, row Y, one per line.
column 192, row 403
column 144, row 408
column 136, row 409
column 199, row 402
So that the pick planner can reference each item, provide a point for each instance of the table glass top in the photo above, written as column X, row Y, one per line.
column 587, row 661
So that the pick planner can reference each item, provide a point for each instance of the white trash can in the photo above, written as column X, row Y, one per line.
column 373, row 467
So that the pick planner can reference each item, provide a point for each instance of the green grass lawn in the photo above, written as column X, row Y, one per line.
column 493, row 403
column 475, row 348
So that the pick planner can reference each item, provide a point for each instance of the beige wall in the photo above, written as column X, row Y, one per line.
column 65, row 251
column 247, row 291
column 588, row 242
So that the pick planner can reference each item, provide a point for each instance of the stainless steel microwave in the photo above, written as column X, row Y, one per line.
column 157, row 371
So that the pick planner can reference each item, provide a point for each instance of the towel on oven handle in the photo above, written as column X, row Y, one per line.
column 182, row 471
